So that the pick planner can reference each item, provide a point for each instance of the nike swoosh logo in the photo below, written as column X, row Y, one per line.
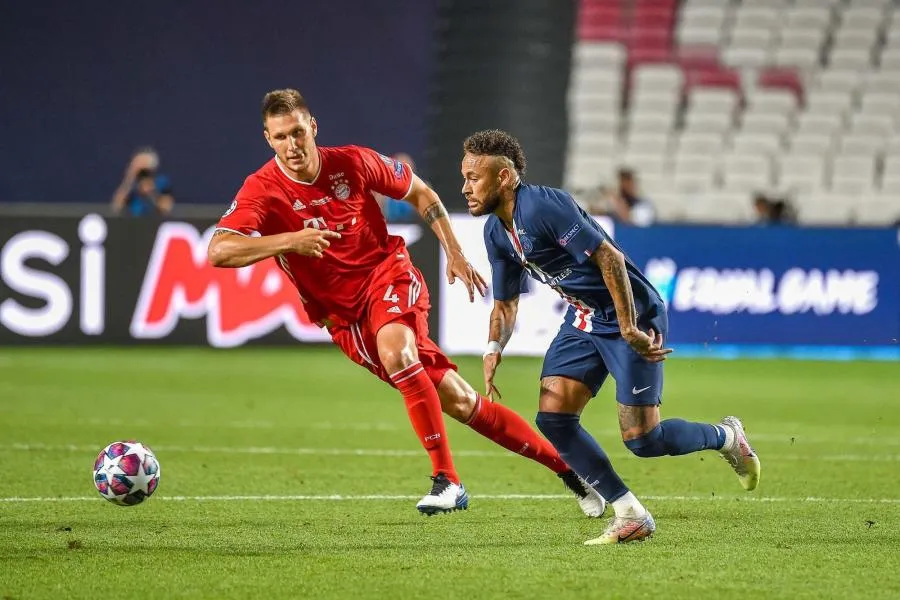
column 636, row 391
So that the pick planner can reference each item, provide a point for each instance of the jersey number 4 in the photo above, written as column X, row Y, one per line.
column 389, row 296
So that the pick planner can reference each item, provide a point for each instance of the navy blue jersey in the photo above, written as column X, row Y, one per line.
column 553, row 240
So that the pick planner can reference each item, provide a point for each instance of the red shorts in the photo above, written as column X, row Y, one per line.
column 397, row 292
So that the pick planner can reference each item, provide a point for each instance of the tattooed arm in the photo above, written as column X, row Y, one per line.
column 611, row 263
column 503, row 321
column 429, row 205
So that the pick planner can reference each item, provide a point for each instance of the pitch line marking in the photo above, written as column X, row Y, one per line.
column 774, row 456
column 393, row 497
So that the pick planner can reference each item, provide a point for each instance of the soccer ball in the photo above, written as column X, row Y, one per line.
column 126, row 473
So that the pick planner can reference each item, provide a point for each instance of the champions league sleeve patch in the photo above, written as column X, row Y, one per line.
column 567, row 237
column 398, row 169
column 230, row 208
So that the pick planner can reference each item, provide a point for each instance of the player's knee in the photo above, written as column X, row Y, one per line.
column 397, row 359
column 458, row 405
column 553, row 424
column 649, row 445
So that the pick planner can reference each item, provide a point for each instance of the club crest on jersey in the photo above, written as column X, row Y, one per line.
column 230, row 208
column 341, row 188
column 527, row 245
column 298, row 205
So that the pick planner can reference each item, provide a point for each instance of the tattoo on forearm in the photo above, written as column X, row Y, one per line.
column 612, row 267
column 499, row 330
column 219, row 232
column 433, row 212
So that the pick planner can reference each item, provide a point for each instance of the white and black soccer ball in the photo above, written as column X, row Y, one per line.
column 126, row 473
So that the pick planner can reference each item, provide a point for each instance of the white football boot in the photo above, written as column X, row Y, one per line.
column 740, row 455
column 622, row 530
column 590, row 501
column 445, row 496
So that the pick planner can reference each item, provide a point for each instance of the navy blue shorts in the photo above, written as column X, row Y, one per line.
column 590, row 357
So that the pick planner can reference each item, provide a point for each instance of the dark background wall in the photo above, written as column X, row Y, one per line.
column 83, row 84
column 502, row 64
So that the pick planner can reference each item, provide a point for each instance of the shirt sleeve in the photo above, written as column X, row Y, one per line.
column 385, row 175
column 508, row 278
column 569, row 226
column 246, row 215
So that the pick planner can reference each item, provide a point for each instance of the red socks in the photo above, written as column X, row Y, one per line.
column 424, row 408
column 506, row 428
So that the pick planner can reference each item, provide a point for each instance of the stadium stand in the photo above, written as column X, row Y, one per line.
column 711, row 100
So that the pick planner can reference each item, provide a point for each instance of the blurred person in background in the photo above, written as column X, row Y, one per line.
column 772, row 211
column 627, row 205
column 143, row 191
column 394, row 209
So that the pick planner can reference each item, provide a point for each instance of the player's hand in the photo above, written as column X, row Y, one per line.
column 312, row 242
column 649, row 345
column 458, row 266
column 491, row 362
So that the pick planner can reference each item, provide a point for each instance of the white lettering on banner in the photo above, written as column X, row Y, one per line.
column 51, row 289
column 758, row 291
column 92, row 233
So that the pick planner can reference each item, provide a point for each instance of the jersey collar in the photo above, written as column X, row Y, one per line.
column 287, row 174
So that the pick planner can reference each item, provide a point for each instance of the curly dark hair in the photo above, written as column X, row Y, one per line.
column 495, row 142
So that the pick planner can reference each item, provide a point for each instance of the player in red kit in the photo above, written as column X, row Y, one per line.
column 312, row 209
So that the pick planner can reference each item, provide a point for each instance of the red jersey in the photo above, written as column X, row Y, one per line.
column 340, row 198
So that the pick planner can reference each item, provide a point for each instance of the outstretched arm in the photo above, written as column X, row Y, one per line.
column 428, row 204
column 229, row 249
column 611, row 263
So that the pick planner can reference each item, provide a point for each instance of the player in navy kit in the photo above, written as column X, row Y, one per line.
column 616, row 325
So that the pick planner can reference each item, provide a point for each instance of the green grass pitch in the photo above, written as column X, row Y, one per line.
column 265, row 455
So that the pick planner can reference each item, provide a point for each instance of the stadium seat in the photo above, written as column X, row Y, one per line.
column 838, row 80
column 801, row 173
column 771, row 101
column 861, row 144
column 824, row 209
column 852, row 173
column 879, row 211
column 691, row 143
column 880, row 126
column 750, row 141
column 762, row 121
column 695, row 172
column 747, row 172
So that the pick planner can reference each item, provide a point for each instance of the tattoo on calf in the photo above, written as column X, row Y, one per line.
column 433, row 212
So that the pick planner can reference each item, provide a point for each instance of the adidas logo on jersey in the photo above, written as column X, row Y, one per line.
column 394, row 309
column 298, row 205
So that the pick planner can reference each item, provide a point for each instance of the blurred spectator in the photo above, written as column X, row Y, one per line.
column 627, row 205
column 395, row 209
column 143, row 191
column 772, row 211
